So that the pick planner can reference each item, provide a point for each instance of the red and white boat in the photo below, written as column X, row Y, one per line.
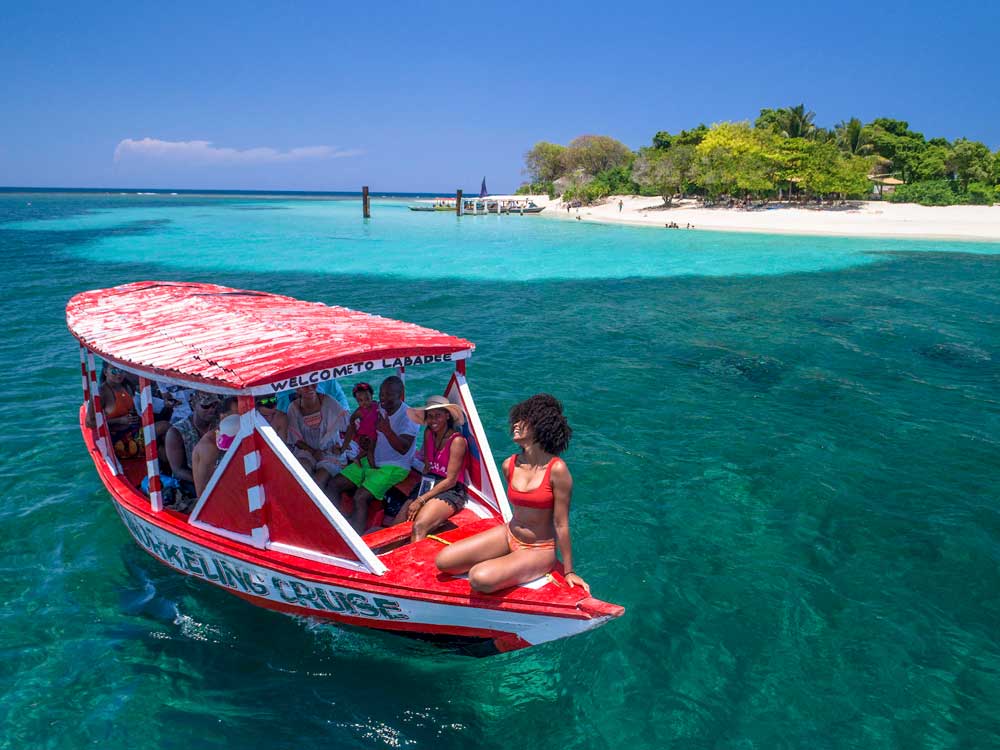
column 263, row 529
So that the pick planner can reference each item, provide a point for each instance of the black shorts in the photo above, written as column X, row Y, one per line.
column 456, row 497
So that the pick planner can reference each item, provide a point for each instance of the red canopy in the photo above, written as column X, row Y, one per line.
column 236, row 340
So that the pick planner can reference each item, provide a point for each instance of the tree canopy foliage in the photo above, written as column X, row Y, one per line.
column 784, row 153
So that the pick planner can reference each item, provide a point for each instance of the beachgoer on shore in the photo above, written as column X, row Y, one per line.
column 620, row 204
column 539, row 487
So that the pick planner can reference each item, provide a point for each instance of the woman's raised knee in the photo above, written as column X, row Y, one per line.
column 445, row 563
column 480, row 580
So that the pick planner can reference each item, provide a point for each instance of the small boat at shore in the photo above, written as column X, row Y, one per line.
column 480, row 207
column 263, row 529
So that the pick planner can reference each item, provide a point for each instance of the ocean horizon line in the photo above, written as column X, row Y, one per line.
column 14, row 190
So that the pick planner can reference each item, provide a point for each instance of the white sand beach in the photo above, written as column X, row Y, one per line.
column 858, row 218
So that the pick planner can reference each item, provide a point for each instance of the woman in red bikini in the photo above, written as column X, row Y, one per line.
column 539, row 487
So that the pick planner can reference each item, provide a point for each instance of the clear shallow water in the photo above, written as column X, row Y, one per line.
column 785, row 458
column 278, row 236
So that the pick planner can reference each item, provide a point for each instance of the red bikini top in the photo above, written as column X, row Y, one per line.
column 541, row 497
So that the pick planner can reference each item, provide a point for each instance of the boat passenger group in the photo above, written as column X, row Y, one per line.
column 365, row 456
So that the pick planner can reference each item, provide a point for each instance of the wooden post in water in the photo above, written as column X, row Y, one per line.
column 458, row 202
column 365, row 205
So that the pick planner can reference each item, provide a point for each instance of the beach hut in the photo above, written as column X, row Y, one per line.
column 885, row 183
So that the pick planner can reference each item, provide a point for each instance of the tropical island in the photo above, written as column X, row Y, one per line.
column 848, row 179
column 782, row 155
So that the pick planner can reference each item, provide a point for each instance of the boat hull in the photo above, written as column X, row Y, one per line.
column 283, row 592
column 300, row 587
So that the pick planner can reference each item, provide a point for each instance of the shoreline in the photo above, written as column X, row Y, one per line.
column 875, row 219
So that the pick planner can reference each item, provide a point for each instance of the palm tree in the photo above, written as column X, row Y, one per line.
column 852, row 138
column 797, row 122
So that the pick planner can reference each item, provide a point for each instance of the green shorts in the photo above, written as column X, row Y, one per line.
column 376, row 481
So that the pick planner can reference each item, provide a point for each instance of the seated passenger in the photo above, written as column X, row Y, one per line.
column 267, row 407
column 183, row 436
column 178, row 398
column 118, row 404
column 315, row 422
column 326, row 387
column 445, row 456
column 539, row 487
column 362, row 423
column 394, row 449
column 210, row 450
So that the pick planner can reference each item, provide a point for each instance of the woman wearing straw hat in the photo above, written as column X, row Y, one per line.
column 442, row 493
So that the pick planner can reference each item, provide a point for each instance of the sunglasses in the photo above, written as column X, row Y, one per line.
column 208, row 404
column 267, row 401
column 115, row 371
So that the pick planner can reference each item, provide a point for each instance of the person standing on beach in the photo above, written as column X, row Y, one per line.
column 620, row 203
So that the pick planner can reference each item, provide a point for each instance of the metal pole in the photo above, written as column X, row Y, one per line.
column 83, row 373
column 149, row 436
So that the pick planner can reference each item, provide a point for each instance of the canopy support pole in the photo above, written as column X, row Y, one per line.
column 476, row 426
column 149, row 437
column 85, row 376
column 257, row 502
column 103, row 441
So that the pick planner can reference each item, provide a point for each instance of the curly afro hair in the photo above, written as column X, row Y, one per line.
column 545, row 415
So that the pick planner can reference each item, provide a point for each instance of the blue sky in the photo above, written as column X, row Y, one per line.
column 421, row 96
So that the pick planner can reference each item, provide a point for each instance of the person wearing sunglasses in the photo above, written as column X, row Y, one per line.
column 183, row 436
column 267, row 407
column 118, row 402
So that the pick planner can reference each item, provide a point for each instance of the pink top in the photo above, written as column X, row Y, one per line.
column 437, row 462
column 366, row 422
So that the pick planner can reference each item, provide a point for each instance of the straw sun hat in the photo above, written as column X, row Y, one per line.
column 436, row 402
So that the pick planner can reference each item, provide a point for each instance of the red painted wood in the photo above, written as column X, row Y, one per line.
column 226, row 505
column 294, row 517
column 235, row 338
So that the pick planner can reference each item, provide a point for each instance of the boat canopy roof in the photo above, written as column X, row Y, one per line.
column 226, row 340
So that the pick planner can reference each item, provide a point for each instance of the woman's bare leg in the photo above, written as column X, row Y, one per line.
column 462, row 555
column 517, row 567
column 434, row 513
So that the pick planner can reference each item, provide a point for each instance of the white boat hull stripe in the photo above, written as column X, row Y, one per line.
column 325, row 599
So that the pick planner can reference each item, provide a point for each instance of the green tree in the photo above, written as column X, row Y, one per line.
column 665, row 173
column 894, row 141
column 733, row 158
column 799, row 122
column 791, row 122
column 662, row 140
column 931, row 163
column 597, row 153
column 853, row 138
column 970, row 161
column 545, row 162
column 691, row 137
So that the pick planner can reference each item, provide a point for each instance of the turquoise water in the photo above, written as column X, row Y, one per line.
column 785, row 458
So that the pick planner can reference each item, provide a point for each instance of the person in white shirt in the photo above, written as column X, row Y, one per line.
column 395, row 445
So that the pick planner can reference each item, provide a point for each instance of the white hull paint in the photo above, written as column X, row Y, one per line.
column 338, row 602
